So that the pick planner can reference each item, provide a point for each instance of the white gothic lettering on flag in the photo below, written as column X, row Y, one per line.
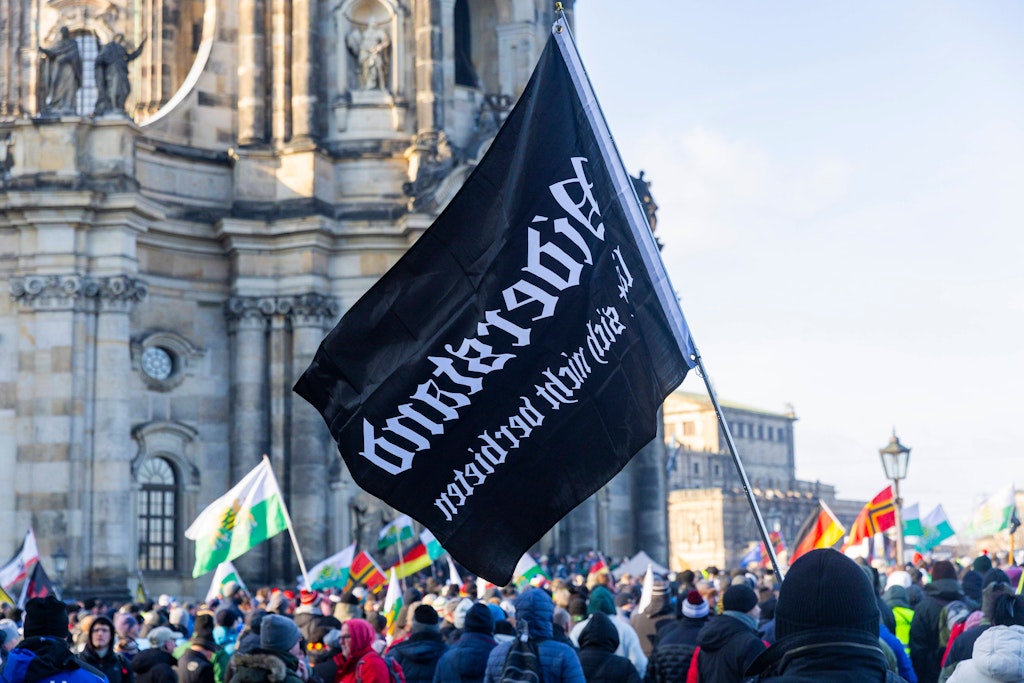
column 526, row 340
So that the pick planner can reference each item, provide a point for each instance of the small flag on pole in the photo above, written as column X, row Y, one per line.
column 453, row 574
column 365, row 570
column 912, row 520
column 995, row 514
column 245, row 516
column 414, row 560
column 5, row 598
column 333, row 572
column 20, row 566
column 647, row 593
column 434, row 548
column 38, row 585
column 935, row 528
column 225, row 574
column 877, row 516
column 398, row 529
column 820, row 530
column 526, row 569
column 392, row 601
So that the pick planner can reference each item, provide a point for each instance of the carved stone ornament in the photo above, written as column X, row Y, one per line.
column 302, row 309
column 69, row 291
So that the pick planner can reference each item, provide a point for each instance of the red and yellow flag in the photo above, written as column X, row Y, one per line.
column 415, row 559
column 365, row 570
column 821, row 530
column 877, row 516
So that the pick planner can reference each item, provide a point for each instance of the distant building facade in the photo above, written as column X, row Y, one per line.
column 709, row 517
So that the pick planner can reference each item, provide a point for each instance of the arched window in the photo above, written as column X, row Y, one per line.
column 85, row 101
column 158, row 516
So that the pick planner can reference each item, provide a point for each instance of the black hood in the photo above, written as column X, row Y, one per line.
column 719, row 632
column 599, row 634
column 147, row 659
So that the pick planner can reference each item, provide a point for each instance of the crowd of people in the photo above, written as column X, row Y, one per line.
column 831, row 620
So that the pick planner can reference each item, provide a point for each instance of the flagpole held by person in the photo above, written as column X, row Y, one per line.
column 655, row 266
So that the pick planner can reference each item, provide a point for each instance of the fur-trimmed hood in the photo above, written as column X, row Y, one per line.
column 259, row 667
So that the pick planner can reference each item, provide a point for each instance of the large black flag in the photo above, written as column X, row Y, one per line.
column 513, row 361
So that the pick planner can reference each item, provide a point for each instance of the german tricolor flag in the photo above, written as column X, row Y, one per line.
column 821, row 530
column 415, row 559
column 877, row 516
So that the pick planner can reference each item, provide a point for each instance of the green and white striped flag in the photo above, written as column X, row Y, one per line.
column 242, row 518
column 433, row 546
column 225, row 574
column 935, row 528
column 398, row 529
column 526, row 569
column 995, row 513
column 334, row 571
column 912, row 520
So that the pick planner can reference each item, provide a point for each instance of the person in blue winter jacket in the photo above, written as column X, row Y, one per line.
column 44, row 656
column 558, row 662
column 466, row 660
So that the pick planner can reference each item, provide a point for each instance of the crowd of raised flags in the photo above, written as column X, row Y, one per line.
column 822, row 529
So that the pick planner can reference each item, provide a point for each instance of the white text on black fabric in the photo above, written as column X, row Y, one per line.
column 557, row 252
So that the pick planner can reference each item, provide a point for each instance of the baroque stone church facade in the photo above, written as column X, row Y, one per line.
column 193, row 192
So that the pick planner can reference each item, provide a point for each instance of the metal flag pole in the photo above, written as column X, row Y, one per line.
column 636, row 217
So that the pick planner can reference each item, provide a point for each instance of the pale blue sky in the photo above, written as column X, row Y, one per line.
column 842, row 202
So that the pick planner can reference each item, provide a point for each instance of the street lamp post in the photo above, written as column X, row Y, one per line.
column 895, row 459
column 60, row 565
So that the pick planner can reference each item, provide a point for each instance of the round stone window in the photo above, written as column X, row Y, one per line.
column 157, row 363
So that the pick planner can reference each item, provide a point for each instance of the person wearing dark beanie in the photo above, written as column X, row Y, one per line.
column 195, row 664
column 419, row 654
column 981, row 564
column 44, row 654
column 826, row 625
column 279, row 657
column 466, row 660
column 730, row 642
column 926, row 649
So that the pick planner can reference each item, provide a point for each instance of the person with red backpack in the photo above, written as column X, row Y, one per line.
column 358, row 661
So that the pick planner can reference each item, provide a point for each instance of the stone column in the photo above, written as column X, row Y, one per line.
column 582, row 527
column 252, row 84
column 49, row 394
column 247, row 327
column 283, row 565
column 305, row 48
column 311, row 451
column 112, row 513
column 650, row 491
column 429, row 65
column 281, row 77
column 620, row 537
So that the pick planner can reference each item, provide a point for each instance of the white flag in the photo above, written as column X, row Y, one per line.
column 21, row 564
column 647, row 594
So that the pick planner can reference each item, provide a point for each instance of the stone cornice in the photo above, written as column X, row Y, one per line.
column 65, row 292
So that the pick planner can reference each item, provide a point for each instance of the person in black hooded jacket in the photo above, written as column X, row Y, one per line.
column 925, row 652
column 419, row 653
column 826, row 625
column 730, row 642
column 598, row 642
column 99, row 652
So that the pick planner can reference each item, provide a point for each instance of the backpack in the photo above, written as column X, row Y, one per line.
column 522, row 663
column 395, row 673
column 955, row 612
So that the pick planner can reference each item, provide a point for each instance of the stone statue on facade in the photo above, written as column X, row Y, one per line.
column 369, row 516
column 64, row 74
column 371, row 47
column 112, row 83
